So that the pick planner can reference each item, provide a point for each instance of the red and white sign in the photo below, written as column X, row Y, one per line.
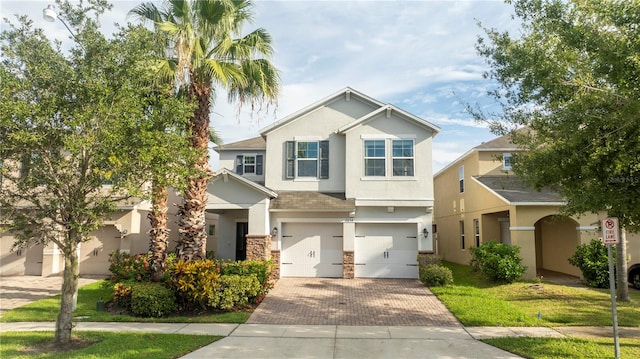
column 610, row 232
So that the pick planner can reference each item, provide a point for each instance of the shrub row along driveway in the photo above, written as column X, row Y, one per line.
column 325, row 301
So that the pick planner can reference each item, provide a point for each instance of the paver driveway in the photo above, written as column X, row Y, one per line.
column 326, row 301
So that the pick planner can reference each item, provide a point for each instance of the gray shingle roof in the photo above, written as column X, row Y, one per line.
column 257, row 143
column 315, row 201
column 515, row 191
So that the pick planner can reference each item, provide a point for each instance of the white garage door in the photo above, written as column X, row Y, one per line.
column 94, row 253
column 386, row 250
column 311, row 250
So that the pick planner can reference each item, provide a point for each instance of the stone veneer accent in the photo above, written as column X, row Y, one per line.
column 347, row 265
column 259, row 246
column 275, row 257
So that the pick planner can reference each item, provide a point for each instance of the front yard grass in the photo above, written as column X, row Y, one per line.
column 46, row 310
column 102, row 345
column 566, row 348
column 477, row 302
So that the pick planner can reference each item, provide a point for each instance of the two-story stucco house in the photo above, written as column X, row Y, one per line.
column 478, row 199
column 343, row 188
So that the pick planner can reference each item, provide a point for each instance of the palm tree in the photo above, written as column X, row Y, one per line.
column 206, row 51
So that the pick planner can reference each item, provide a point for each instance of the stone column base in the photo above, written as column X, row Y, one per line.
column 259, row 246
column 348, row 265
column 275, row 257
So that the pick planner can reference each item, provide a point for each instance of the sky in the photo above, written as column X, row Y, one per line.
column 417, row 55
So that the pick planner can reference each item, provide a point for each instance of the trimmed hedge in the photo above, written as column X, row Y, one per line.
column 152, row 300
column 498, row 261
column 433, row 275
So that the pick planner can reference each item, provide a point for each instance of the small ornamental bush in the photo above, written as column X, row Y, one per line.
column 498, row 261
column 261, row 269
column 235, row 290
column 122, row 296
column 152, row 300
column 593, row 262
column 433, row 275
column 127, row 267
column 195, row 282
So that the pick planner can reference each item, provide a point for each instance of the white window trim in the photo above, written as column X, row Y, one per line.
column 244, row 165
column 504, row 157
column 388, row 157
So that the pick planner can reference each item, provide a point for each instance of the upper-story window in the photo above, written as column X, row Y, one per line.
column 506, row 161
column 249, row 164
column 461, row 178
column 307, row 159
column 401, row 157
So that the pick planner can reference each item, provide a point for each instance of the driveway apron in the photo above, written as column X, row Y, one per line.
column 365, row 302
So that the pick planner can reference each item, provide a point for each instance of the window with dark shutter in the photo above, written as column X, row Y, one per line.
column 259, row 164
column 324, row 159
column 290, row 159
column 239, row 164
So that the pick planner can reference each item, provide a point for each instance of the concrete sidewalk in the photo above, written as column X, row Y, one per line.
column 339, row 341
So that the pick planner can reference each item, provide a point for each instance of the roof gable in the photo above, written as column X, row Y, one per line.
column 390, row 110
column 226, row 174
column 256, row 143
column 347, row 93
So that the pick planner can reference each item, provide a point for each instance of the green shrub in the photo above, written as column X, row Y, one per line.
column 235, row 290
column 195, row 282
column 593, row 262
column 261, row 269
column 433, row 275
column 122, row 296
column 127, row 267
column 498, row 261
column 152, row 300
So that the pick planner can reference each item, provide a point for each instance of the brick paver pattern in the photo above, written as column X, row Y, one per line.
column 326, row 301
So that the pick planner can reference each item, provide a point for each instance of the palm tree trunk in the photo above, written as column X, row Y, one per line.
column 71, row 273
column 159, row 233
column 193, row 237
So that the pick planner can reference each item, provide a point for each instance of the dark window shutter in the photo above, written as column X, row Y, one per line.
column 239, row 167
column 324, row 159
column 259, row 162
column 290, row 159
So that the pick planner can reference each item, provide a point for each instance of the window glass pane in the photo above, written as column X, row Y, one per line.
column 307, row 168
column 403, row 148
column 307, row 149
column 373, row 167
column 249, row 164
column 403, row 167
column 374, row 148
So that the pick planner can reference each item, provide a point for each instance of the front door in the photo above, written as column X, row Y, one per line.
column 242, row 229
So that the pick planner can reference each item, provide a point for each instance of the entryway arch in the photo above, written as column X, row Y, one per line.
column 556, row 241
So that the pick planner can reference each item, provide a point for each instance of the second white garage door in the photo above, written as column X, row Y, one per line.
column 386, row 250
column 311, row 250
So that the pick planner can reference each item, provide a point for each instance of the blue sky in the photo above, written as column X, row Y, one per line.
column 417, row 55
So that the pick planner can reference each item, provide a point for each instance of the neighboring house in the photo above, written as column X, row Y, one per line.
column 479, row 199
column 342, row 188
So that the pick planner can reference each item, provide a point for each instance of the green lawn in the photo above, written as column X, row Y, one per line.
column 45, row 310
column 106, row 345
column 477, row 302
column 566, row 348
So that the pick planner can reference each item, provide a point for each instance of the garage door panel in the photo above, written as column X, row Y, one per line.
column 386, row 250
column 311, row 250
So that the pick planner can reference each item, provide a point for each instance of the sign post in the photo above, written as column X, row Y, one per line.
column 610, row 236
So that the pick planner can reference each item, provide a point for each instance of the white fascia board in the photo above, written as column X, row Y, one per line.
column 417, row 120
column 360, row 202
column 454, row 162
column 538, row 203
column 246, row 182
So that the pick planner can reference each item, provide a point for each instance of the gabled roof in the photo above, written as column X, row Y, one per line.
column 256, row 143
column 502, row 144
column 390, row 109
column 347, row 91
column 514, row 192
column 225, row 174
column 305, row 201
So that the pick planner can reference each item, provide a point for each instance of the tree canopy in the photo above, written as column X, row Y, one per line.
column 80, row 132
column 572, row 78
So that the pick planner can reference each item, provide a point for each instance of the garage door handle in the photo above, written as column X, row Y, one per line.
column 411, row 265
column 336, row 264
column 361, row 264
column 287, row 262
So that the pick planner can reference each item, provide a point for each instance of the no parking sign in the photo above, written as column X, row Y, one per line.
column 610, row 232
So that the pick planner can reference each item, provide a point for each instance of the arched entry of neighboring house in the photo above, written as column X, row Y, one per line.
column 556, row 241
